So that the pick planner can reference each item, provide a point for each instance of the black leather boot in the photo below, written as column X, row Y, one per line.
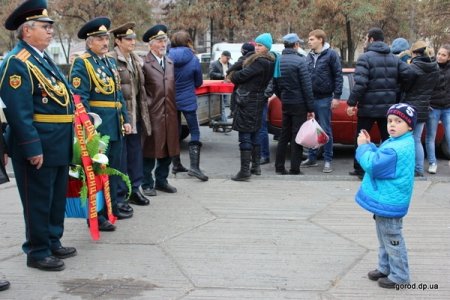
column 177, row 166
column 194, row 155
column 256, row 160
column 244, row 174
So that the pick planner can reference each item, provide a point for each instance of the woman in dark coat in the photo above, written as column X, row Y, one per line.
column 424, row 74
column 253, row 79
column 188, row 76
column 440, row 107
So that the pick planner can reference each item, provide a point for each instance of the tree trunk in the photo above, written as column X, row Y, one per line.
column 350, row 47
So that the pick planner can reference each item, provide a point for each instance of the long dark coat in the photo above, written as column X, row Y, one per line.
column 253, row 79
column 162, row 108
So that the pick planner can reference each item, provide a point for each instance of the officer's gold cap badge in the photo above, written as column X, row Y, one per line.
column 76, row 82
column 15, row 81
column 102, row 28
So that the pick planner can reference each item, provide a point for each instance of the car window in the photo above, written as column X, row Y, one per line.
column 345, row 87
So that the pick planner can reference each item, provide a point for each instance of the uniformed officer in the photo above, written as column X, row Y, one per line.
column 39, row 110
column 95, row 78
column 129, row 65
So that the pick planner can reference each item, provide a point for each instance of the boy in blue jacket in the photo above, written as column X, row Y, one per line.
column 386, row 191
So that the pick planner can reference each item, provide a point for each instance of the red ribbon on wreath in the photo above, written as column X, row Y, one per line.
column 83, row 124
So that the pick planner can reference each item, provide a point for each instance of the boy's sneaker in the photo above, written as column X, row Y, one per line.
column 432, row 168
column 386, row 283
column 309, row 163
column 375, row 275
column 327, row 168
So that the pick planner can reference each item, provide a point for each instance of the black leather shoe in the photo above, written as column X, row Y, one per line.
column 124, row 207
column 50, row 263
column 149, row 192
column 167, row 188
column 295, row 172
column 138, row 199
column 375, row 275
column 64, row 252
column 122, row 214
column 386, row 283
column 281, row 172
column 4, row 285
column 106, row 226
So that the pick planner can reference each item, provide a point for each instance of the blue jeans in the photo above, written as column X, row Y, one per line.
column 248, row 140
column 264, row 135
column 392, row 254
column 322, row 112
column 420, row 155
column 192, row 123
column 432, row 124
column 223, row 115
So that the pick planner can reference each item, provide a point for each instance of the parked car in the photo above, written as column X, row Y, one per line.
column 344, row 127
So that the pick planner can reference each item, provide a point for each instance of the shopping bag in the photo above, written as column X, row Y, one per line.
column 311, row 135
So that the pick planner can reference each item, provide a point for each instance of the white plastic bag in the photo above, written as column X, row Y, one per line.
column 311, row 135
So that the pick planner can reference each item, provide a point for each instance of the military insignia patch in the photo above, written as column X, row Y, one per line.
column 76, row 82
column 15, row 81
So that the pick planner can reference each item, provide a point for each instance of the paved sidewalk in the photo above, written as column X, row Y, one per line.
column 271, row 238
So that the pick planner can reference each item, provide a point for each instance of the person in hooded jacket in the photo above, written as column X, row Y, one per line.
column 424, row 74
column 378, row 75
column 400, row 47
column 250, row 99
column 440, row 107
column 188, row 76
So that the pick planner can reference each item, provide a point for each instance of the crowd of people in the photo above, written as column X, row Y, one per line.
column 140, row 102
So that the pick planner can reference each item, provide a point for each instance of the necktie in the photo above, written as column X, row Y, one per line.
column 161, row 64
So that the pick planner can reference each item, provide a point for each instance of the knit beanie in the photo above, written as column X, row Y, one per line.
column 399, row 45
column 265, row 39
column 405, row 112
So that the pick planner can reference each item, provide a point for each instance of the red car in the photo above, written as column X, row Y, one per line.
column 344, row 127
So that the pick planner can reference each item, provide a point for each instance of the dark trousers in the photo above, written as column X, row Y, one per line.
column 192, row 123
column 43, row 196
column 367, row 123
column 161, row 171
column 248, row 140
column 114, row 154
column 131, row 163
column 294, row 115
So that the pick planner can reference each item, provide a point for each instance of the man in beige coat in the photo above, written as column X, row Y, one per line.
column 163, row 144
column 129, row 65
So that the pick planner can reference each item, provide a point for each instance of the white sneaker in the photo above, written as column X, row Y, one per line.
column 432, row 168
column 327, row 168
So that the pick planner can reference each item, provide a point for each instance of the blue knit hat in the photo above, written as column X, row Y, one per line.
column 265, row 39
column 405, row 112
column 399, row 45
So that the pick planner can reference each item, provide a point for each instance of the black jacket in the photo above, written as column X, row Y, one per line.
column 252, row 80
column 326, row 74
column 216, row 70
column 3, row 175
column 377, row 77
column 441, row 94
column 424, row 75
column 294, row 85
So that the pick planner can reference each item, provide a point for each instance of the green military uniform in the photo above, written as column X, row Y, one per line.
column 39, row 111
column 97, row 81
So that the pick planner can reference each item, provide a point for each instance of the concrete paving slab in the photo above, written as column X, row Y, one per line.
column 431, row 269
column 263, row 254
column 227, row 294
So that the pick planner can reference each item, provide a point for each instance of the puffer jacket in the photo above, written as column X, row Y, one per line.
column 294, row 85
column 440, row 98
column 424, row 75
column 326, row 73
column 388, row 182
column 377, row 77
column 188, row 76
column 253, row 79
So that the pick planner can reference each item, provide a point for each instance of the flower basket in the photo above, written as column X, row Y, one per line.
column 77, row 207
